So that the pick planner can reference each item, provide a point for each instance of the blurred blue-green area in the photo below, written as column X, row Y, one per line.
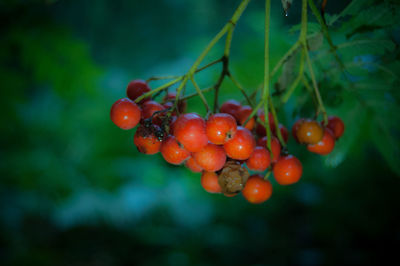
column 75, row 191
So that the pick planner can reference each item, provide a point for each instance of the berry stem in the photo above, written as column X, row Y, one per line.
column 276, row 121
column 162, row 87
column 316, row 90
column 161, row 78
column 266, row 176
column 252, row 114
column 240, row 87
column 310, row 90
column 266, row 71
column 203, row 99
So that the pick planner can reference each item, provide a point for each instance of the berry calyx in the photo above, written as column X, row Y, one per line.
column 242, row 115
column 309, row 132
column 230, row 107
column 287, row 170
column 257, row 190
column 220, row 128
column 259, row 160
column 190, row 130
column 209, row 181
column 173, row 152
column 241, row 146
column 211, row 158
column 325, row 145
column 137, row 88
column 193, row 165
column 336, row 125
column 146, row 141
column 125, row 114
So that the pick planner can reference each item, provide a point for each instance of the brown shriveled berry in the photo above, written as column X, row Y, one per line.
column 232, row 178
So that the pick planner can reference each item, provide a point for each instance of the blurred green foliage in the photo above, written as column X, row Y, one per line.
column 74, row 190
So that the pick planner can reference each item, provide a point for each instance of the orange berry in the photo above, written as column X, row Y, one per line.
column 310, row 132
column 241, row 146
column 259, row 160
column 193, row 165
column 209, row 181
column 220, row 128
column 172, row 152
column 325, row 145
column 190, row 130
column 242, row 115
column 287, row 170
column 145, row 140
column 125, row 114
column 211, row 158
column 275, row 147
column 257, row 190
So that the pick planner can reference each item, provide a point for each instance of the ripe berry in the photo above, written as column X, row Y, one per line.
column 275, row 147
column 146, row 141
column 284, row 132
column 211, row 158
column 190, row 131
column 193, row 166
column 260, row 129
column 242, row 114
column 241, row 146
column 209, row 181
column 230, row 107
column 295, row 127
column 125, row 113
column 325, row 145
column 149, row 108
column 287, row 170
column 310, row 132
column 220, row 128
column 257, row 190
column 172, row 152
column 136, row 88
column 336, row 125
column 259, row 160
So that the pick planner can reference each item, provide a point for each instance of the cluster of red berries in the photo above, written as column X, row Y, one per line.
column 222, row 144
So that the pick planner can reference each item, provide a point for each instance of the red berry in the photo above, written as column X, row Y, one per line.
column 259, row 159
column 149, row 108
column 220, row 128
column 295, row 127
column 211, row 158
column 230, row 107
column 260, row 129
column 137, row 88
column 193, row 165
column 145, row 140
column 275, row 147
column 325, row 145
column 284, row 132
column 209, row 181
column 241, row 146
column 309, row 132
column 287, row 170
column 336, row 125
column 125, row 113
column 257, row 190
column 172, row 152
column 242, row 114
column 190, row 131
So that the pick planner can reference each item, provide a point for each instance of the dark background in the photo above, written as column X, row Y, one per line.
column 75, row 191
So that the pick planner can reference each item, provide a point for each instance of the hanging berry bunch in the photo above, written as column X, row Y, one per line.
column 233, row 139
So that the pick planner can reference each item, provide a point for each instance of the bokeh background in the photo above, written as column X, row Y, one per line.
column 75, row 191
